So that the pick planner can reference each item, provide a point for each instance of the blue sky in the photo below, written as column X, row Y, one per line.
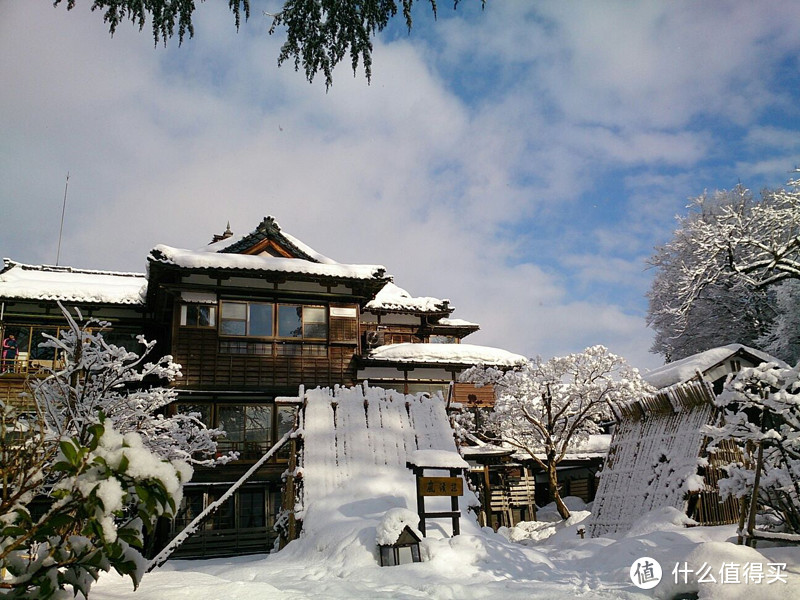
column 522, row 161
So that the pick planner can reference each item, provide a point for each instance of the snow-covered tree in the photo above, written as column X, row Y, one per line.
column 783, row 335
column 716, row 279
column 761, row 406
column 98, row 377
column 548, row 408
column 102, row 460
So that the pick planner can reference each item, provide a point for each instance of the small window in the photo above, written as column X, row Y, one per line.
column 198, row 315
column 315, row 324
column 290, row 321
column 736, row 365
column 248, row 429
column 308, row 322
column 443, row 339
column 246, row 319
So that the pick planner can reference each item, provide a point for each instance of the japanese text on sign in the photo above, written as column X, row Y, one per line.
column 441, row 486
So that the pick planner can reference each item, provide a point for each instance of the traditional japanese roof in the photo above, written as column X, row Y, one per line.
column 266, row 249
column 269, row 238
column 457, row 323
column 395, row 299
column 191, row 259
column 67, row 284
column 687, row 368
column 455, row 354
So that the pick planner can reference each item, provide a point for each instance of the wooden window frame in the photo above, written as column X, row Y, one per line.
column 303, row 321
column 183, row 317
column 247, row 320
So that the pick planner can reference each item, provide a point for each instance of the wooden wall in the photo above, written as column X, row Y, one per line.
column 197, row 351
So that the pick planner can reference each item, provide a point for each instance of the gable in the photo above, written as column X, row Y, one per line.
column 268, row 239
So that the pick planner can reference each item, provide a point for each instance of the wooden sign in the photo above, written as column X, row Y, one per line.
column 441, row 486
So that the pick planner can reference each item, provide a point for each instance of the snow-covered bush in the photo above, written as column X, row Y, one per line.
column 105, row 489
column 547, row 408
column 101, row 459
column 762, row 406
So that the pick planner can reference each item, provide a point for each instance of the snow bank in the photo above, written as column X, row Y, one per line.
column 476, row 565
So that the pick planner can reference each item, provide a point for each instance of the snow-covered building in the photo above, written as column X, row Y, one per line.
column 251, row 319
column 712, row 365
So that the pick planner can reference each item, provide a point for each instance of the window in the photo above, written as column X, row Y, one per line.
column 309, row 322
column 251, row 508
column 248, row 429
column 443, row 339
column 198, row 315
column 123, row 339
column 30, row 356
column 246, row 318
column 200, row 411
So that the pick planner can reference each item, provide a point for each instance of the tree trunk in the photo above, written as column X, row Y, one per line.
column 555, row 495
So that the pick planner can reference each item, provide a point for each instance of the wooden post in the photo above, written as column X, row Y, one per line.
column 440, row 486
column 487, row 497
column 454, row 506
column 751, row 519
column 420, row 501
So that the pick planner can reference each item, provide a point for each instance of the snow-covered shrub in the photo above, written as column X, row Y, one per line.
column 106, row 488
column 762, row 406
column 101, row 458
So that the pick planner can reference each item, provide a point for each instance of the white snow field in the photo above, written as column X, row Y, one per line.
column 547, row 561
column 357, row 473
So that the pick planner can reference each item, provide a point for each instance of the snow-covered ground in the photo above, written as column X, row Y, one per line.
column 546, row 559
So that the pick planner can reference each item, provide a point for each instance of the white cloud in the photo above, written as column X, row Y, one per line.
column 446, row 188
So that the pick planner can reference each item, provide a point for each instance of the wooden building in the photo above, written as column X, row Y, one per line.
column 712, row 366
column 251, row 319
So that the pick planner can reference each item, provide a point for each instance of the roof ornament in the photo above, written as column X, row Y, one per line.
column 218, row 237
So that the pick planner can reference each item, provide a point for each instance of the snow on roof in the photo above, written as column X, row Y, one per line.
column 686, row 368
column 44, row 282
column 224, row 243
column 192, row 259
column 456, row 322
column 394, row 523
column 468, row 354
column 308, row 249
column 486, row 450
column 369, row 437
column 395, row 298
column 445, row 459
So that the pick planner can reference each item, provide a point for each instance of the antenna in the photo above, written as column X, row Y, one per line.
column 63, row 210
